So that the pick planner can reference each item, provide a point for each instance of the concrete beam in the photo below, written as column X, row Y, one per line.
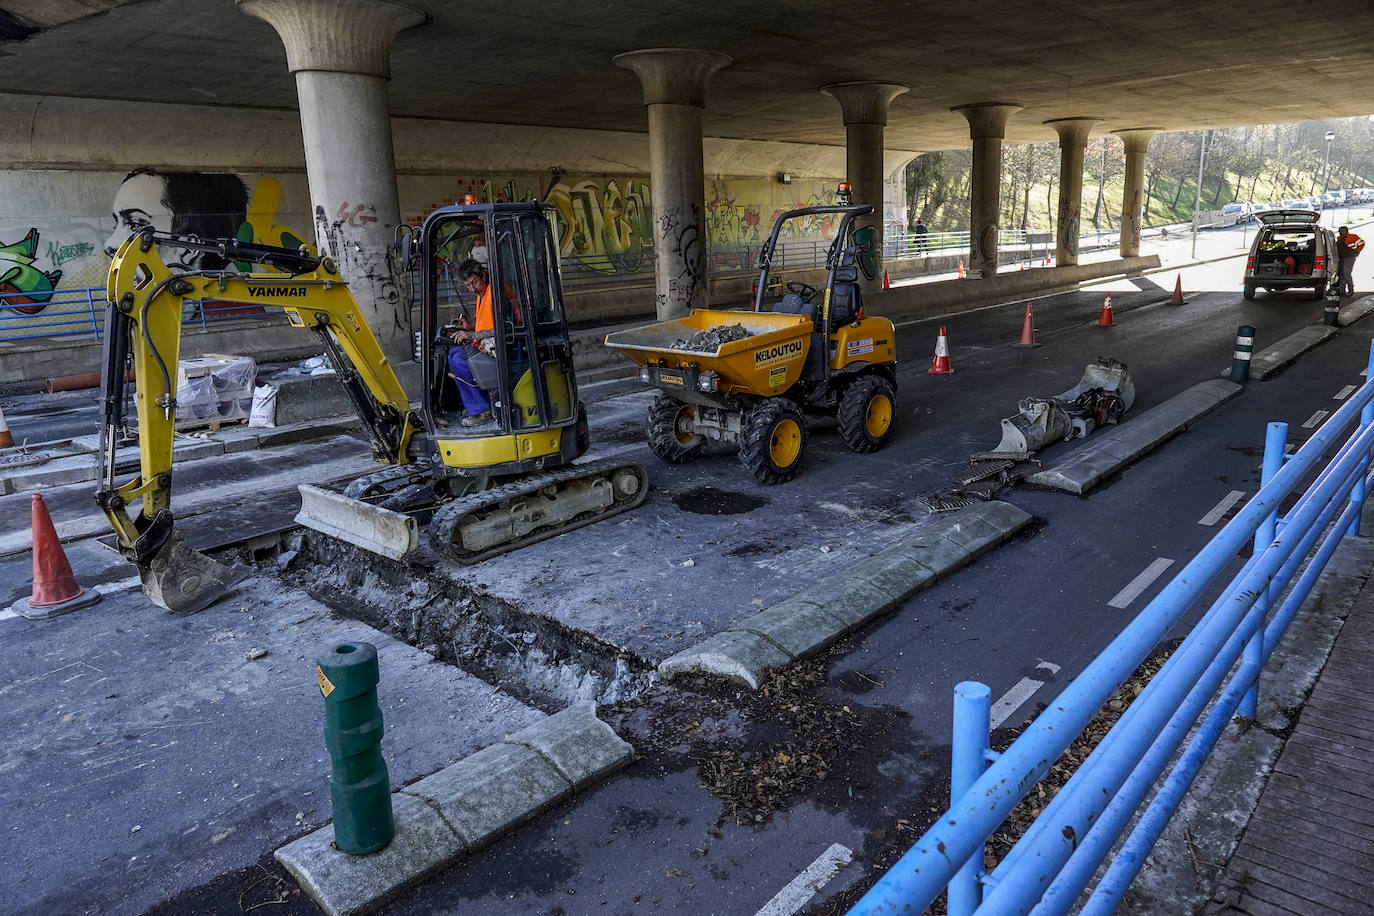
column 339, row 53
column 864, row 108
column 1137, row 143
column 987, row 123
column 1073, row 138
column 674, row 84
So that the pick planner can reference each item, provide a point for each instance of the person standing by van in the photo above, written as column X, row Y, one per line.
column 1348, row 248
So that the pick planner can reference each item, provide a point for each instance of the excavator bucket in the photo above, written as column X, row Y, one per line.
column 382, row 531
column 185, row 581
column 1040, row 422
column 1105, row 391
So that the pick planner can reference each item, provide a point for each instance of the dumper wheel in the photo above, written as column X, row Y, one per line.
column 670, row 431
column 865, row 413
column 773, row 441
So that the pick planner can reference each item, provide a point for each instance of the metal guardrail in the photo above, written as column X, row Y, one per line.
column 1050, row 867
column 81, row 312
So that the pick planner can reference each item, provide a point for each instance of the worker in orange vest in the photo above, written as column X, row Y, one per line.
column 1348, row 248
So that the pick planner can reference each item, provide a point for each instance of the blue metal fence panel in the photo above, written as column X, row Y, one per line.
column 1047, row 871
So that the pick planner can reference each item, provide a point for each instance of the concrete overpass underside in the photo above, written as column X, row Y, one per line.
column 539, row 64
column 309, row 117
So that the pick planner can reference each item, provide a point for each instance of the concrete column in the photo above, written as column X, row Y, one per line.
column 340, row 52
column 674, row 84
column 1137, row 142
column 1073, row 139
column 987, row 124
column 864, row 108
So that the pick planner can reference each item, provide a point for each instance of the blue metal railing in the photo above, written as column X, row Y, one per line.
column 81, row 311
column 1049, row 868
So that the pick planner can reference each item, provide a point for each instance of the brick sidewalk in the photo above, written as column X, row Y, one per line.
column 1309, row 846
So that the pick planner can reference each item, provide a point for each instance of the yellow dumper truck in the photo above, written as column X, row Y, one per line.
column 751, row 378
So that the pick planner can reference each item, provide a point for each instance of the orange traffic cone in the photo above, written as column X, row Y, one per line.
column 6, row 440
column 1105, row 319
column 1178, row 291
column 887, row 282
column 1027, row 330
column 1048, row 258
column 961, row 269
column 55, row 591
column 940, row 365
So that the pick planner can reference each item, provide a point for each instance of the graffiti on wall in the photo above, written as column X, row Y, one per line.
column 23, row 287
column 205, row 204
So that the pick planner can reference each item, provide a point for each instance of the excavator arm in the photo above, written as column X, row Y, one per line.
column 143, row 321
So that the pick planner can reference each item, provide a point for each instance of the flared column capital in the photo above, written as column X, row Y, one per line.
column 987, row 120
column 864, row 102
column 1073, row 131
column 673, row 76
column 347, row 36
column 1137, row 139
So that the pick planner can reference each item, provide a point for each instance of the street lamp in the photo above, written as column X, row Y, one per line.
column 1326, row 167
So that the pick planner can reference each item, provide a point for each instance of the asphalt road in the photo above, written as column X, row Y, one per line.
column 654, row 839
column 846, row 756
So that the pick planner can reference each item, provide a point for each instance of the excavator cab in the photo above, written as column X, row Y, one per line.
column 523, row 377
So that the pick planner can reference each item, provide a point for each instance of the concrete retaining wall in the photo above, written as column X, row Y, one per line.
column 946, row 296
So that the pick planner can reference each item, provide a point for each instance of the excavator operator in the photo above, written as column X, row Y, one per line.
column 472, row 364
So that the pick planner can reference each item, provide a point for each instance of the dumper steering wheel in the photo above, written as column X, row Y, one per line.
column 805, row 290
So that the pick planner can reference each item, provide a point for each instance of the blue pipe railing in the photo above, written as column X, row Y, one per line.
column 81, row 311
column 1049, row 868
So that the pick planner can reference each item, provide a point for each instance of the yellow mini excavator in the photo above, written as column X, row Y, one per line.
column 484, row 484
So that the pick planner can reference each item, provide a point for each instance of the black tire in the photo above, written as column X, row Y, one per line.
column 867, row 409
column 1319, row 291
column 1249, row 293
column 666, row 440
column 774, row 441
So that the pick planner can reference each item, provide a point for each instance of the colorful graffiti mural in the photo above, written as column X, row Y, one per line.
column 23, row 287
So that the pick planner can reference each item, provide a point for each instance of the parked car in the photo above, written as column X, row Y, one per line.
column 1238, row 213
column 1291, row 251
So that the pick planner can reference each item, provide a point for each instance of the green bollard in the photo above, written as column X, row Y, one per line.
column 1240, row 359
column 360, row 787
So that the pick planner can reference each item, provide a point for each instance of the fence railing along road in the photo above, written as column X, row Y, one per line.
column 1196, row 691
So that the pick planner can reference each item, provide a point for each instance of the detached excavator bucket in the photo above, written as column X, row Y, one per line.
column 1040, row 422
column 381, row 531
column 185, row 581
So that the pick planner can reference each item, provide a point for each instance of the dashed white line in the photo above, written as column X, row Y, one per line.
column 1221, row 508
column 806, row 885
column 1140, row 583
column 1344, row 393
column 1014, row 698
column 1316, row 418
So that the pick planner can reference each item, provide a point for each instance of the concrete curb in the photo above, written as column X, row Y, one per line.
column 1265, row 364
column 462, row 807
column 834, row 607
column 1085, row 467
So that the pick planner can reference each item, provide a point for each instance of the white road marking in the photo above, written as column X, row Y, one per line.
column 1013, row 699
column 806, row 885
column 1221, row 508
column 1316, row 418
column 1140, row 583
column 1344, row 393
column 7, row 614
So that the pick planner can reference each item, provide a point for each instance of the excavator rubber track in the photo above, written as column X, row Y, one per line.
column 483, row 525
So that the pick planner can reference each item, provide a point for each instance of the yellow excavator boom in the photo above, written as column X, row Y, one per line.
column 144, row 323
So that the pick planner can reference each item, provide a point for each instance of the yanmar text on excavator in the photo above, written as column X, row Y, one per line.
column 485, row 484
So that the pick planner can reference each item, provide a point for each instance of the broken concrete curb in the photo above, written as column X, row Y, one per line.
column 462, row 807
column 1107, row 453
column 1263, row 365
column 832, row 608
